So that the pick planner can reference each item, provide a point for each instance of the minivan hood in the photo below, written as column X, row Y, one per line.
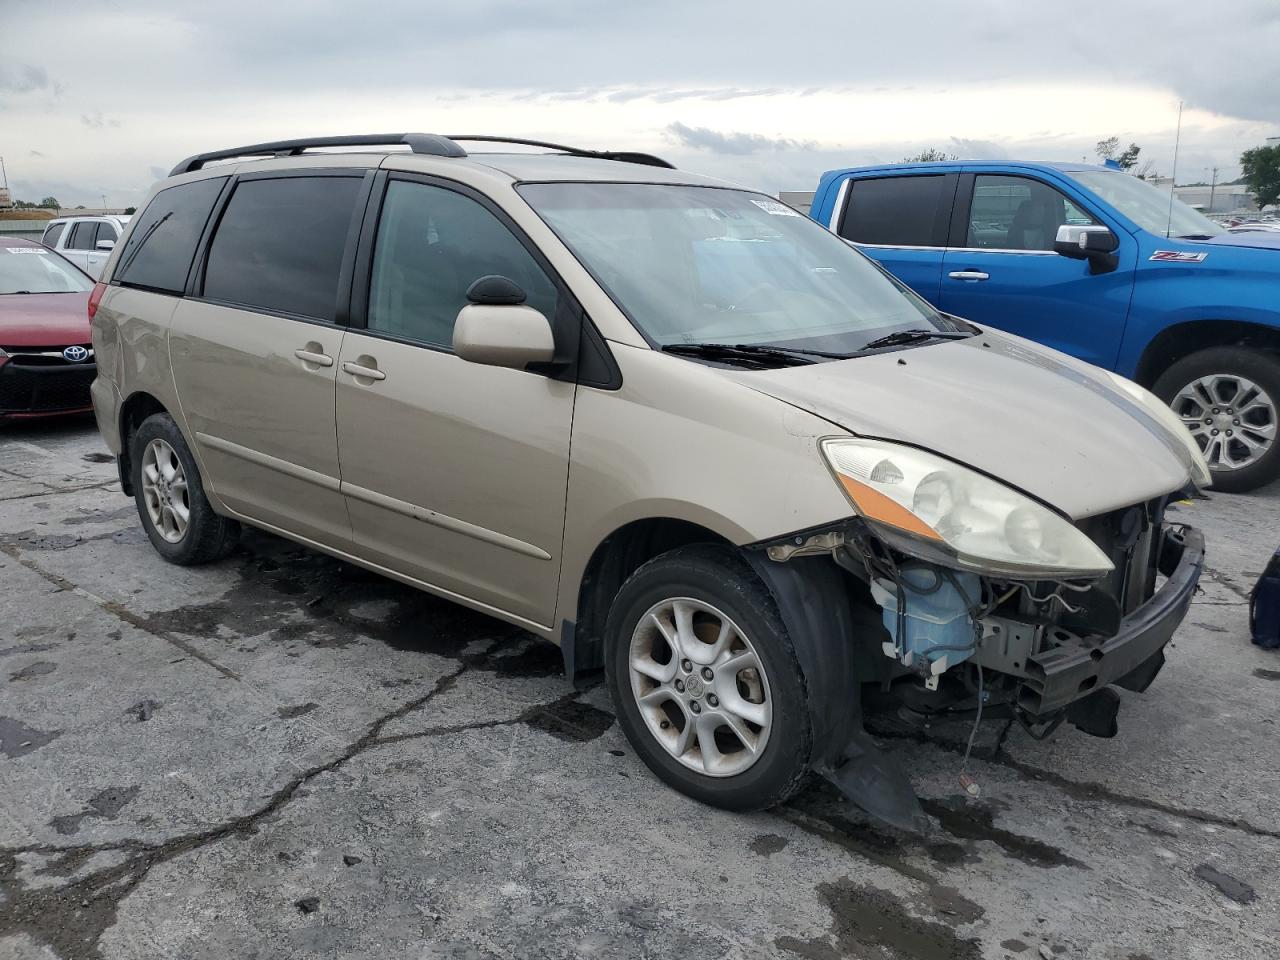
column 1048, row 424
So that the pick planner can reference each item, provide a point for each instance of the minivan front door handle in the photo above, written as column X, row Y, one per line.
column 313, row 356
column 969, row 275
column 364, row 371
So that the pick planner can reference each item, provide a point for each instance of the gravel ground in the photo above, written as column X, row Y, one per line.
column 283, row 756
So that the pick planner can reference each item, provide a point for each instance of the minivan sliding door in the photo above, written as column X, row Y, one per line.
column 255, row 354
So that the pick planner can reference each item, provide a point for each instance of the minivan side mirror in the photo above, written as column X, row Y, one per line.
column 106, row 244
column 508, row 335
column 1093, row 243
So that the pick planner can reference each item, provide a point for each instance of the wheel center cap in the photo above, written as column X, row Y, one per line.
column 694, row 686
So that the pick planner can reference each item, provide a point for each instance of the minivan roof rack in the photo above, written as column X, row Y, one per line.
column 431, row 144
column 625, row 156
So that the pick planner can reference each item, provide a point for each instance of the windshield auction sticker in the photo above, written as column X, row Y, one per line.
column 775, row 208
column 1179, row 256
column 40, row 250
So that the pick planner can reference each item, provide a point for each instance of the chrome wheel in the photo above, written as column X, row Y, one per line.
column 164, row 490
column 700, row 686
column 1232, row 419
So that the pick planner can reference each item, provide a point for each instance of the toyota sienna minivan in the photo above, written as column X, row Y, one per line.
column 684, row 432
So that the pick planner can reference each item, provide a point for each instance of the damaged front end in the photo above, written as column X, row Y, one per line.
column 937, row 635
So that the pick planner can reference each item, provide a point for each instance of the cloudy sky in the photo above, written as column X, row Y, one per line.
column 103, row 97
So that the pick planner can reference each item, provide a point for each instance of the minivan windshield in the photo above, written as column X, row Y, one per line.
column 1147, row 206
column 713, row 265
column 37, row 270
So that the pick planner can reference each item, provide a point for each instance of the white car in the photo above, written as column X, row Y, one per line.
column 85, row 241
column 1256, row 226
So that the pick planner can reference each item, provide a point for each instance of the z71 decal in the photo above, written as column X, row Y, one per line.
column 1179, row 256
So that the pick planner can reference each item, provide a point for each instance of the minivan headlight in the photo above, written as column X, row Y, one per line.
column 1165, row 416
column 984, row 525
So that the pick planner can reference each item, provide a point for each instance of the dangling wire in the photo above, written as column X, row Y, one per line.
column 971, row 785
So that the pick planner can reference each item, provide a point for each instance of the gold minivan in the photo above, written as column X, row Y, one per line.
column 672, row 425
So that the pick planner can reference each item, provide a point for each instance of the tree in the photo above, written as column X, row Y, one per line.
column 1106, row 149
column 932, row 155
column 130, row 211
column 1129, row 158
column 50, row 202
column 1261, row 167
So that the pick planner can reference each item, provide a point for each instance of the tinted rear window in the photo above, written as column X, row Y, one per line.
column 82, row 235
column 279, row 245
column 895, row 211
column 52, row 234
column 163, row 241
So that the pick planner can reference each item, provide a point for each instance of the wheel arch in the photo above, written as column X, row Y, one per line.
column 136, row 408
column 1183, row 339
column 614, row 559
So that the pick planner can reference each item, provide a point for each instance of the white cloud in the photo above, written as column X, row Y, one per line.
column 765, row 93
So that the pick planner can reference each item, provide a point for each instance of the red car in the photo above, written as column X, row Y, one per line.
column 46, row 359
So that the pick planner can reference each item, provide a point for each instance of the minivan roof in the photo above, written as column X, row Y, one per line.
column 557, row 166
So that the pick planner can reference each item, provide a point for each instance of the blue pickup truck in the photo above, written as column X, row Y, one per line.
column 1098, row 264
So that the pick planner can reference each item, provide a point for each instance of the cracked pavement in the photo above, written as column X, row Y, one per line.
column 283, row 756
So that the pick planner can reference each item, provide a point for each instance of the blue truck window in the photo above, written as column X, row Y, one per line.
column 894, row 211
column 1018, row 213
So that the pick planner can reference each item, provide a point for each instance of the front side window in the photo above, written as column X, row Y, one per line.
column 25, row 269
column 106, row 232
column 895, row 211
column 162, row 243
column 1151, row 209
column 1018, row 213
column 279, row 245
column 691, row 264
column 432, row 244
column 51, row 234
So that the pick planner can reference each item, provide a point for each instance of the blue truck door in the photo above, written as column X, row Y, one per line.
column 1000, row 268
column 901, row 222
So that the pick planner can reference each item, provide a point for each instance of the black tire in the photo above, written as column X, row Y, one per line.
column 717, row 576
column 1251, row 364
column 208, row 536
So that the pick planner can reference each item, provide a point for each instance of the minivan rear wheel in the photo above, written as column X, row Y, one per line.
column 706, row 682
column 1229, row 398
column 177, row 516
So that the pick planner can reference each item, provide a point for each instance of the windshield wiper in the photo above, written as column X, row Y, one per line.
column 751, row 352
column 903, row 337
column 1196, row 236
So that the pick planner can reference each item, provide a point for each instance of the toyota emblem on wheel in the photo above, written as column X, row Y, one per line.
column 76, row 354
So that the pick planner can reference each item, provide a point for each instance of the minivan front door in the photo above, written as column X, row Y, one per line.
column 455, row 473
column 255, row 356
column 1004, row 272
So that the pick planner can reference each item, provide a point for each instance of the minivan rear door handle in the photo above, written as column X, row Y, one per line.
column 363, row 371
column 969, row 275
column 313, row 356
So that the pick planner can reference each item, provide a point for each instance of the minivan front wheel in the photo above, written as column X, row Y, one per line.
column 1229, row 398
column 176, row 514
column 706, row 682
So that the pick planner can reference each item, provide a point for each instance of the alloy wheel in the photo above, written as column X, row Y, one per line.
column 1232, row 419
column 164, row 489
column 700, row 686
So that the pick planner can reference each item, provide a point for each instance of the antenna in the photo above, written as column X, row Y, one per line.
column 1173, row 178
